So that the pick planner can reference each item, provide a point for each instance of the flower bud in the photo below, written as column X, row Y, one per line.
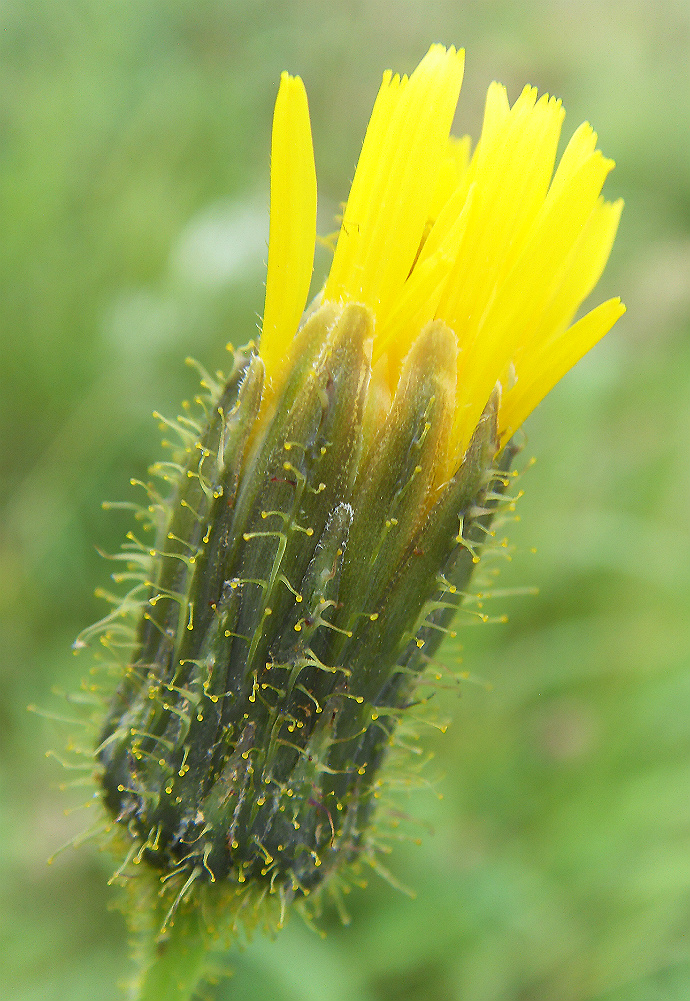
column 296, row 598
column 328, row 512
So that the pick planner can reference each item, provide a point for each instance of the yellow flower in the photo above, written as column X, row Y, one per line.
column 329, row 508
column 496, row 245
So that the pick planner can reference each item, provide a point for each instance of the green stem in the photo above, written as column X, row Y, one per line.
column 170, row 966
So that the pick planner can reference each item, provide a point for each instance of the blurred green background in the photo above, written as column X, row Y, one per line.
column 134, row 146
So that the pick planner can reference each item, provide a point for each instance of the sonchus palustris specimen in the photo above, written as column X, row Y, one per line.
column 327, row 516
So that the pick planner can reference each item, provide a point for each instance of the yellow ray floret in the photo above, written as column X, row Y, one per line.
column 497, row 245
column 408, row 131
column 293, row 221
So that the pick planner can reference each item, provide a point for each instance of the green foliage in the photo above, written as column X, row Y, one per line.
column 134, row 153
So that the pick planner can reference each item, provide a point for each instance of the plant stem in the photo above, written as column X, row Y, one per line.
column 170, row 966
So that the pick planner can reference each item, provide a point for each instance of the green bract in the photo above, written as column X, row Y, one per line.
column 306, row 570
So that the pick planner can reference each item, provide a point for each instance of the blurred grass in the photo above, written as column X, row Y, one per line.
column 134, row 145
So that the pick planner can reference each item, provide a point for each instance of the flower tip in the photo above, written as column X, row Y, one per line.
column 440, row 57
column 291, row 88
column 553, row 104
column 445, row 51
column 587, row 136
column 529, row 95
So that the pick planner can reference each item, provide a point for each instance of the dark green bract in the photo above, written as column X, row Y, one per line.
column 303, row 577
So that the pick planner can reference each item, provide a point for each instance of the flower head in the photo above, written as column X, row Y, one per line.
column 330, row 506
column 494, row 244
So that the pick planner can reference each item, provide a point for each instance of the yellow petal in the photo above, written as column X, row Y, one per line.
column 511, row 168
column 293, row 222
column 552, row 363
column 497, row 246
column 421, row 293
column 394, row 183
column 526, row 252
column 577, row 277
column 452, row 168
